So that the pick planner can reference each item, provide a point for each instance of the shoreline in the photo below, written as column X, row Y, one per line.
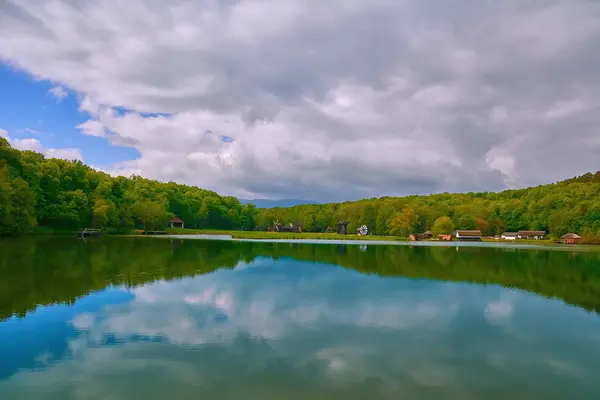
column 321, row 238
column 340, row 240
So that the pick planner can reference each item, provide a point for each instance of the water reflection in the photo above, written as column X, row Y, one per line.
column 278, row 323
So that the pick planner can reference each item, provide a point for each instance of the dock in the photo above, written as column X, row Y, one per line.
column 87, row 232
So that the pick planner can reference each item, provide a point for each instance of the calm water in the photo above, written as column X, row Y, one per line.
column 128, row 318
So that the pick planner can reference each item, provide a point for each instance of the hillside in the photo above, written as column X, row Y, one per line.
column 68, row 195
column 59, row 194
column 572, row 205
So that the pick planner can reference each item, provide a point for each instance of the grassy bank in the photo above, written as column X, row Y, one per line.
column 280, row 235
column 519, row 241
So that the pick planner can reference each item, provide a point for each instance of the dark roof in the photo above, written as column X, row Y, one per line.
column 510, row 233
column 570, row 236
column 468, row 233
column 176, row 219
column 532, row 233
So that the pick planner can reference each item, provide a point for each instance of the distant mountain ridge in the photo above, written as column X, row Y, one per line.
column 270, row 203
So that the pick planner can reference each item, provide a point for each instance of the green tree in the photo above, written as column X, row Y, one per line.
column 442, row 226
column 403, row 224
column 248, row 217
column 151, row 215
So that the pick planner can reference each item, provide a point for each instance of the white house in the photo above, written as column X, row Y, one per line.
column 535, row 235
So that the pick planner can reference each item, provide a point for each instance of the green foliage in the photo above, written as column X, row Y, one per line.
column 442, row 226
column 67, row 195
column 403, row 223
column 569, row 206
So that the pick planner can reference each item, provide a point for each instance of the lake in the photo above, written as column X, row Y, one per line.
column 159, row 318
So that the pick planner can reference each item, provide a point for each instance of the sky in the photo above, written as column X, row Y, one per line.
column 308, row 99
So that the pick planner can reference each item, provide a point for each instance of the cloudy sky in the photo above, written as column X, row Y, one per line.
column 308, row 99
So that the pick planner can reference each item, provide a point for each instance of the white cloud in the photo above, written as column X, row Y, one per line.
column 35, row 145
column 92, row 128
column 65, row 153
column 83, row 321
column 566, row 108
column 410, row 96
column 58, row 92
column 498, row 310
column 260, row 309
column 32, row 131
column 3, row 133
column 27, row 144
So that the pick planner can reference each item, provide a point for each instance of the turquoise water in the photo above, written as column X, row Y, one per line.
column 157, row 318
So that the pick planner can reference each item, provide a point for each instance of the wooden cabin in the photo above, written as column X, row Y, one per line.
column 294, row 228
column 467, row 234
column 570, row 238
column 342, row 227
column 531, row 235
column 509, row 235
column 176, row 222
column 290, row 228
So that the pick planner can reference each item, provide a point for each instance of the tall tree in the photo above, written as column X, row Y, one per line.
column 442, row 226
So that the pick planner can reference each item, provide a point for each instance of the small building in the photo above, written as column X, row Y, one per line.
column 424, row 236
column 444, row 237
column 467, row 234
column 342, row 227
column 176, row 222
column 509, row 235
column 293, row 228
column 570, row 238
column 531, row 235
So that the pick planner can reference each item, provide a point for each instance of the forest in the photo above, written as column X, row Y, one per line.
column 65, row 195
column 37, row 192
column 569, row 206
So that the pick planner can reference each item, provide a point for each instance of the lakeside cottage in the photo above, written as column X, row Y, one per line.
column 467, row 234
column 176, row 222
column 293, row 228
column 570, row 238
column 531, row 235
column 509, row 235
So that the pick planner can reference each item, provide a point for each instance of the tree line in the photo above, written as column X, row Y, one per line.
column 569, row 206
column 59, row 194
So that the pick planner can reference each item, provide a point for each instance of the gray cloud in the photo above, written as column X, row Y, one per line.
column 330, row 101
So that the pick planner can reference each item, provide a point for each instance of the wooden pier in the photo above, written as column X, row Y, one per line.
column 87, row 232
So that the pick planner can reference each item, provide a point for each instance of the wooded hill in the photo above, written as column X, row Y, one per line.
column 58, row 194
column 569, row 206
